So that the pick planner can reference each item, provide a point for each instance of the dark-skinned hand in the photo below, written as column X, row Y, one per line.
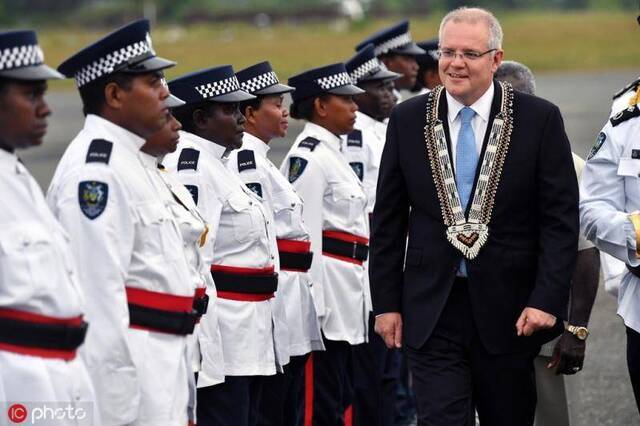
column 568, row 354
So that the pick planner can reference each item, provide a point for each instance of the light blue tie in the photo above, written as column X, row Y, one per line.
column 466, row 163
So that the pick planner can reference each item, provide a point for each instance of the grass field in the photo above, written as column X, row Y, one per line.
column 546, row 41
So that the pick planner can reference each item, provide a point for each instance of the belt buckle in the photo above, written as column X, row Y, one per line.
column 355, row 250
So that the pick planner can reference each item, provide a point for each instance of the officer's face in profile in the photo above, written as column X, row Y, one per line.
column 23, row 114
column 467, row 79
column 225, row 124
column 270, row 119
column 142, row 105
column 378, row 99
column 431, row 78
column 164, row 141
column 405, row 65
column 337, row 113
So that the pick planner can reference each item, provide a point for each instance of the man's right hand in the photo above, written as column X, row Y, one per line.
column 389, row 327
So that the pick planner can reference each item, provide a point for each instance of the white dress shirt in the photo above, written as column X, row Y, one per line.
column 335, row 200
column 369, row 154
column 609, row 191
column 479, row 122
column 134, row 242
column 38, row 275
column 285, row 206
column 195, row 233
column 239, row 237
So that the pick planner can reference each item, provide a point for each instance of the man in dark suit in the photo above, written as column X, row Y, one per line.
column 481, row 179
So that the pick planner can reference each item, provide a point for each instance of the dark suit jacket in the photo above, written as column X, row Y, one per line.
column 529, row 257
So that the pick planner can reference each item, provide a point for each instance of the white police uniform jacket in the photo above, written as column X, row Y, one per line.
column 285, row 208
column 38, row 285
column 364, row 148
column 205, row 345
column 609, row 191
column 335, row 215
column 109, row 197
column 239, row 246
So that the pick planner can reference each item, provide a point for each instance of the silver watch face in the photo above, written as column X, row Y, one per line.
column 581, row 333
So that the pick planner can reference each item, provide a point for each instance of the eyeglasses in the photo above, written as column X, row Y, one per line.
column 467, row 55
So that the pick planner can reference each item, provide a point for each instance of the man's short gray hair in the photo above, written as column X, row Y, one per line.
column 519, row 75
column 473, row 15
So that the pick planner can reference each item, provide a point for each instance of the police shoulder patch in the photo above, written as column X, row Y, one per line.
column 296, row 167
column 596, row 147
column 358, row 169
column 355, row 138
column 92, row 198
column 246, row 160
column 188, row 159
column 309, row 142
column 99, row 151
column 256, row 188
column 625, row 115
column 193, row 190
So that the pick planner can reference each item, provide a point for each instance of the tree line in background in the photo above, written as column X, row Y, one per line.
column 113, row 12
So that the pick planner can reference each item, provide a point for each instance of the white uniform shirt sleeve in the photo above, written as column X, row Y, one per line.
column 603, row 209
column 578, row 164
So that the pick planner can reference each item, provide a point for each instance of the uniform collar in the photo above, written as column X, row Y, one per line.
column 365, row 121
column 149, row 161
column 324, row 135
column 218, row 151
column 114, row 133
column 482, row 106
column 255, row 144
column 9, row 161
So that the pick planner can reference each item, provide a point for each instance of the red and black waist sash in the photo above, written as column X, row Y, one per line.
column 345, row 246
column 165, row 312
column 245, row 284
column 295, row 255
column 41, row 335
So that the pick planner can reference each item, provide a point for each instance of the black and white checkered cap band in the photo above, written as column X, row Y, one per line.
column 108, row 63
column 393, row 43
column 218, row 88
column 260, row 82
column 333, row 81
column 369, row 67
column 20, row 56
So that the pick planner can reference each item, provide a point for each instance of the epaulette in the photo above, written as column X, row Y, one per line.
column 188, row 159
column 309, row 142
column 625, row 115
column 246, row 160
column 631, row 86
column 355, row 138
column 99, row 151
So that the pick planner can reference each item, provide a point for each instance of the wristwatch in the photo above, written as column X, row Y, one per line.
column 580, row 332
